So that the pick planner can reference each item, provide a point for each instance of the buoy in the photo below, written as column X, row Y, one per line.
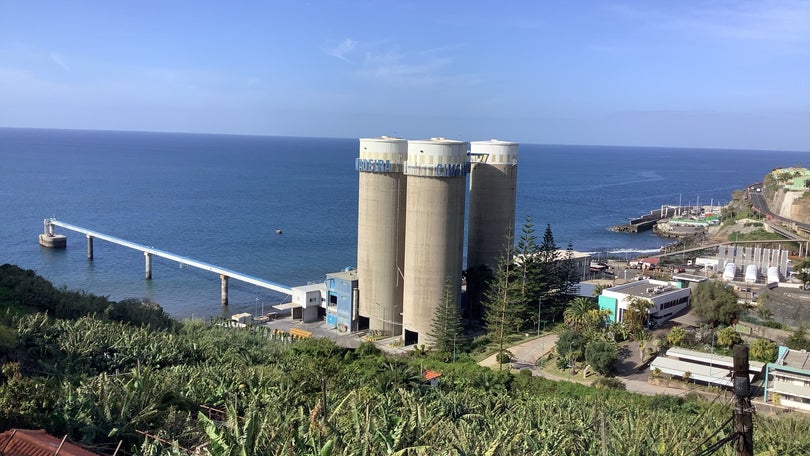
column 278, row 231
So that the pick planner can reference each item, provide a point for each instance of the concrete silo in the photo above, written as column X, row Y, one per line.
column 381, row 232
column 436, row 170
column 493, row 184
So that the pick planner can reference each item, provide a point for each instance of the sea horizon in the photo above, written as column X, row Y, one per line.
column 219, row 198
column 268, row 135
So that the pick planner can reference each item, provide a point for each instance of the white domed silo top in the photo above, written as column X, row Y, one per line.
column 494, row 152
column 437, row 157
column 382, row 155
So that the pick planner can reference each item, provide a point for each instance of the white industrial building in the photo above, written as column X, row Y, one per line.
column 309, row 299
column 667, row 299
column 705, row 368
column 787, row 381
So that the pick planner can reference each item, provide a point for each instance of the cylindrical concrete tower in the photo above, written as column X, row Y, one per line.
column 436, row 170
column 381, row 232
column 493, row 184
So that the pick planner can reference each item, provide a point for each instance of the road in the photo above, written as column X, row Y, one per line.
column 526, row 354
column 761, row 205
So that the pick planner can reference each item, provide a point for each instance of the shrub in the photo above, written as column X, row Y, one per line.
column 367, row 349
column 609, row 383
column 504, row 357
column 727, row 337
column 601, row 355
column 764, row 350
column 676, row 336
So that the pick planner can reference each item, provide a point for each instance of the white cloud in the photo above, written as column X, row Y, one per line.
column 427, row 68
column 57, row 59
column 341, row 50
column 787, row 21
column 750, row 20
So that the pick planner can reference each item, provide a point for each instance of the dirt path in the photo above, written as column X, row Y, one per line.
column 526, row 353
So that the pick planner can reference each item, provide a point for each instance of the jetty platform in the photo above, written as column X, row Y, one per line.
column 647, row 221
column 49, row 239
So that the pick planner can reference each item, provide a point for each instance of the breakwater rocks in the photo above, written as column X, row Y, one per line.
column 648, row 221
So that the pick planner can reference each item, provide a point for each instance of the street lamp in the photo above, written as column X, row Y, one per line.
column 539, row 304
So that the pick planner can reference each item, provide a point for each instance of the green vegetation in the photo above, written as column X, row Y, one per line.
column 539, row 276
column 737, row 209
column 763, row 350
column 102, row 379
column 803, row 271
column 446, row 329
column 798, row 340
column 727, row 337
column 676, row 336
column 502, row 305
column 715, row 302
column 756, row 235
column 601, row 355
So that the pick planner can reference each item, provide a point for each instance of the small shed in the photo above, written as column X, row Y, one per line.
column 431, row 377
column 648, row 263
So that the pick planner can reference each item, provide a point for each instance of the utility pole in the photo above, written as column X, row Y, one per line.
column 539, row 305
column 743, row 422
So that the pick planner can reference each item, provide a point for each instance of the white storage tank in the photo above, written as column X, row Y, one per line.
column 493, row 185
column 729, row 272
column 773, row 276
column 381, row 231
column 436, row 170
column 751, row 273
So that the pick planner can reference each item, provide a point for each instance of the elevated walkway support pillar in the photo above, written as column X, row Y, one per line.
column 224, row 280
column 148, row 265
column 89, row 247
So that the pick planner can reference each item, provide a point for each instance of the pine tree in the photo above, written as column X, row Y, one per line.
column 526, row 254
column 503, row 302
column 567, row 273
column 548, row 249
column 446, row 330
column 549, row 267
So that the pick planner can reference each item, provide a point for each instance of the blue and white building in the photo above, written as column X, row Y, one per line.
column 667, row 299
column 342, row 296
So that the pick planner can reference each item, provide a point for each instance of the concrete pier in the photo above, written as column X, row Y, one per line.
column 54, row 241
column 50, row 239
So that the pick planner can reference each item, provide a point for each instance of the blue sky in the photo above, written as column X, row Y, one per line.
column 713, row 73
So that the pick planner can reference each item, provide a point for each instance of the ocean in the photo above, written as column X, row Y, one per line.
column 221, row 198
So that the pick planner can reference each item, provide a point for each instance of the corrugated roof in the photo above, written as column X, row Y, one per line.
column 29, row 442
column 430, row 375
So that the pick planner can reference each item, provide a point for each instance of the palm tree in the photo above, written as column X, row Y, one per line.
column 576, row 314
column 637, row 313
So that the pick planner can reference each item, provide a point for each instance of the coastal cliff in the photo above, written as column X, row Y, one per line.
column 787, row 191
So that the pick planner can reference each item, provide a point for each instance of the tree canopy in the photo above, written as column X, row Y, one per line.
column 601, row 355
column 715, row 302
column 503, row 303
column 446, row 330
